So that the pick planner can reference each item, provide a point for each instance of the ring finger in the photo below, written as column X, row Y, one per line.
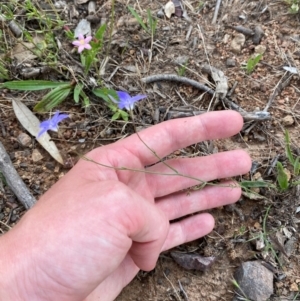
column 183, row 203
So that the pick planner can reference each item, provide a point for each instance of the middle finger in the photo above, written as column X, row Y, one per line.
column 216, row 166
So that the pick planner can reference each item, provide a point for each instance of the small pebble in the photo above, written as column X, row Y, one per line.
column 36, row 156
column 230, row 62
column 185, row 280
column 255, row 281
column 237, row 43
column 260, row 49
column 23, row 165
column 288, row 120
column 50, row 165
column 24, row 139
column 258, row 34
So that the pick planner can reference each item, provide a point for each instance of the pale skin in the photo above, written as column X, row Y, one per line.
column 90, row 234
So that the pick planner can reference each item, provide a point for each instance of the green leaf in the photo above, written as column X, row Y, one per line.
column 99, row 35
column 83, row 60
column 257, row 59
column 3, row 71
column 252, row 62
column 30, row 85
column 139, row 19
column 53, row 98
column 296, row 183
column 89, row 59
column 151, row 21
column 297, row 166
column 255, row 184
column 85, row 99
column 104, row 93
column 77, row 91
column 116, row 116
column 282, row 177
column 288, row 147
column 113, row 107
column 124, row 115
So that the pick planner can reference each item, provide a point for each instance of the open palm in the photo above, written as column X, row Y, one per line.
column 94, row 229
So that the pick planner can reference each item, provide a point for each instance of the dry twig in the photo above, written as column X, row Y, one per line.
column 14, row 181
column 283, row 82
column 214, row 20
column 257, row 116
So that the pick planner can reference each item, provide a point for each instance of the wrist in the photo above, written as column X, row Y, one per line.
column 14, row 266
column 9, row 289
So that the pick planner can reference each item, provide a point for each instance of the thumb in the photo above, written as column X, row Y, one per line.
column 148, row 229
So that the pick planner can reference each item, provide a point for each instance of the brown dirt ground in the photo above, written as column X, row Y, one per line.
column 207, row 43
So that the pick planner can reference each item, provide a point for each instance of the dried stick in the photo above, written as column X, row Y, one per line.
column 14, row 181
column 284, row 81
column 258, row 116
column 185, row 296
column 252, row 116
column 179, row 79
column 216, row 11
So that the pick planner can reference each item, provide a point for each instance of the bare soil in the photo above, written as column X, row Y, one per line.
column 195, row 41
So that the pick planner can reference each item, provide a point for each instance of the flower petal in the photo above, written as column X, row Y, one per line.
column 80, row 48
column 45, row 124
column 61, row 117
column 80, row 37
column 88, row 39
column 55, row 117
column 138, row 97
column 41, row 132
column 76, row 43
column 123, row 96
column 87, row 46
column 44, row 127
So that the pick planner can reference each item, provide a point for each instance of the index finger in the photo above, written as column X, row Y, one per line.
column 169, row 136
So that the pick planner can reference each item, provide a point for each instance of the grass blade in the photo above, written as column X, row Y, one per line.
column 30, row 85
column 85, row 99
column 99, row 35
column 77, row 91
column 282, row 177
column 139, row 19
column 53, row 98
column 288, row 147
column 297, row 166
column 255, row 184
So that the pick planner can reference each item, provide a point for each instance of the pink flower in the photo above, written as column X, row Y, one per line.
column 82, row 43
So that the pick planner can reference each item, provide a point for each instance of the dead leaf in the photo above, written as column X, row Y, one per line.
column 193, row 261
column 169, row 9
column 31, row 123
column 221, row 83
column 21, row 53
column 253, row 195
column 25, row 51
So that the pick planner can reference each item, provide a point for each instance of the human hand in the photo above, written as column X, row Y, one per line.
column 88, row 236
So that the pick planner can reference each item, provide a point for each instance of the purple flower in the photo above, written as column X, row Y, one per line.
column 126, row 101
column 82, row 43
column 51, row 124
